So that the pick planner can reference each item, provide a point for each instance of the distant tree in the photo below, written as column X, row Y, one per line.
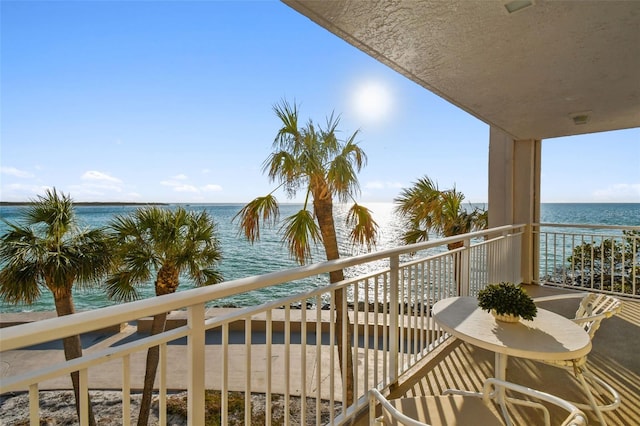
column 608, row 262
column 48, row 250
column 425, row 208
column 164, row 243
column 312, row 159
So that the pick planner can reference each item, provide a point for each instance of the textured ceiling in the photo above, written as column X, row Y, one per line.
column 526, row 73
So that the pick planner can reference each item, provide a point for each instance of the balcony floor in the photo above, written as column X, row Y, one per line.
column 614, row 357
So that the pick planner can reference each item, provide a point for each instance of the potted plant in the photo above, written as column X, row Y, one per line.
column 507, row 302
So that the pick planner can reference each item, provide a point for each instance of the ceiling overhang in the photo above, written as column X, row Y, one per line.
column 554, row 68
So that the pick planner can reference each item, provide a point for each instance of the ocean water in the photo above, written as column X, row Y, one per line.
column 242, row 259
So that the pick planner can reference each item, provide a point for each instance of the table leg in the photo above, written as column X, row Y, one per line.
column 500, row 371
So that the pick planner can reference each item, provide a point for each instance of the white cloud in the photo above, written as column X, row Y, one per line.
column 374, row 185
column 12, row 171
column 211, row 188
column 623, row 192
column 82, row 191
column 185, row 188
column 94, row 188
column 94, row 175
column 177, row 183
column 21, row 192
column 179, row 186
column 382, row 185
column 27, row 189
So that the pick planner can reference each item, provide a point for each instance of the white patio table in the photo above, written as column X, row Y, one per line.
column 548, row 336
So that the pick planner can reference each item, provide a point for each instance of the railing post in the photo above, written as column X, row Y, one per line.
column 195, row 354
column 519, row 248
column 394, row 318
column 463, row 270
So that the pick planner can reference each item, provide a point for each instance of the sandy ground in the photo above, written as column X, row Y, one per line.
column 58, row 408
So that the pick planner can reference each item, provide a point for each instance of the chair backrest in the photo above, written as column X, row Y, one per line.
column 594, row 307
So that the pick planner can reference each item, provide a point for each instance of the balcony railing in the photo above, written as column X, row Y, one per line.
column 388, row 309
column 591, row 257
column 284, row 348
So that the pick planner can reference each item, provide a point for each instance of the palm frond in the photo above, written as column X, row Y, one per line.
column 364, row 230
column 120, row 287
column 203, row 277
column 282, row 167
column 288, row 135
column 419, row 200
column 91, row 256
column 342, row 177
column 54, row 211
column 355, row 152
column 262, row 209
column 19, row 283
column 415, row 235
column 333, row 121
column 481, row 218
column 20, row 243
column 299, row 232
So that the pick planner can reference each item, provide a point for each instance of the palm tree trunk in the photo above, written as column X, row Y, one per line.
column 166, row 283
column 457, row 273
column 324, row 213
column 153, row 358
column 72, row 348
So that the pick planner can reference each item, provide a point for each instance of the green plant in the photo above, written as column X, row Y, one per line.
column 507, row 298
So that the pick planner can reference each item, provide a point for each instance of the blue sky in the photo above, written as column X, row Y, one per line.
column 172, row 102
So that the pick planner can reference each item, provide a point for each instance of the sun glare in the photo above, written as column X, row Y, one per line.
column 372, row 101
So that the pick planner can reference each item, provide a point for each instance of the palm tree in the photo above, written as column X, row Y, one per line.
column 425, row 208
column 313, row 160
column 164, row 242
column 48, row 250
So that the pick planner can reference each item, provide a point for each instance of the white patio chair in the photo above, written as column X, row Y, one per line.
column 452, row 410
column 593, row 308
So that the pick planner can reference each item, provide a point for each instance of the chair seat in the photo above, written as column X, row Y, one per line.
column 450, row 410
column 468, row 408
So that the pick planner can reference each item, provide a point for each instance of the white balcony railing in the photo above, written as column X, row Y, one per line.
column 603, row 258
column 286, row 347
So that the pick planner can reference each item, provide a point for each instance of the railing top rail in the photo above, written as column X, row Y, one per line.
column 587, row 226
column 84, row 322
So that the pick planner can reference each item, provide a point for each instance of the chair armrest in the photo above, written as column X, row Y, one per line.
column 560, row 297
column 375, row 395
column 576, row 416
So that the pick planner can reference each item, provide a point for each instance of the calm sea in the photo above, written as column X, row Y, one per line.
column 241, row 259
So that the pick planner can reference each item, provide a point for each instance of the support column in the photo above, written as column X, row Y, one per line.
column 514, row 192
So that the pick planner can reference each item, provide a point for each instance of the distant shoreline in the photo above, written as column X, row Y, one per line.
column 132, row 203
column 90, row 203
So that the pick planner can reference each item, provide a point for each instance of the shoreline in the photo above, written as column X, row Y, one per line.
column 87, row 203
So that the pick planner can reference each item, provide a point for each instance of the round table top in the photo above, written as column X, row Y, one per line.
column 548, row 336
